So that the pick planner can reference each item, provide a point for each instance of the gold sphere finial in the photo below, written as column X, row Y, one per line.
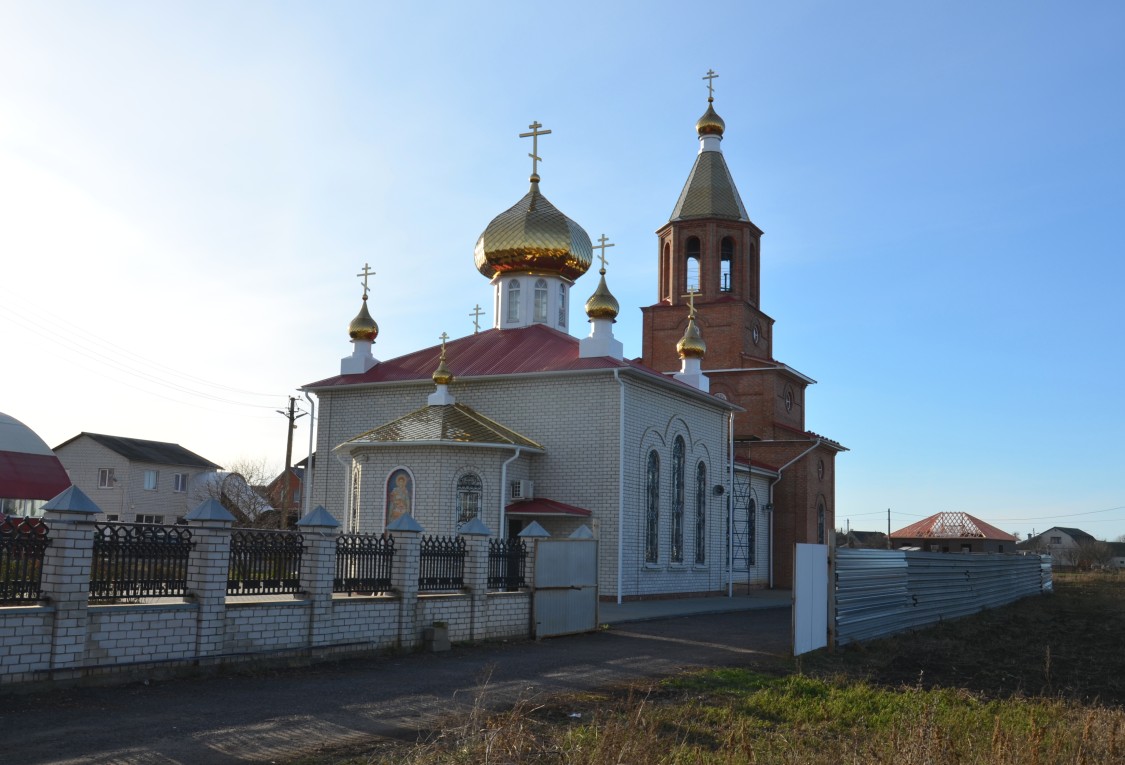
column 363, row 327
column 710, row 123
column 691, row 345
column 442, row 375
column 602, row 304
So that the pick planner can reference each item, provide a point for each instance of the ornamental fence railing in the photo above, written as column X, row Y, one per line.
column 441, row 564
column 363, row 563
column 507, row 564
column 139, row 560
column 264, row 562
column 23, row 542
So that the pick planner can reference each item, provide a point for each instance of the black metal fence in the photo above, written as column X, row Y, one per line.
column 442, row 564
column 264, row 562
column 363, row 563
column 139, row 560
column 507, row 564
column 23, row 542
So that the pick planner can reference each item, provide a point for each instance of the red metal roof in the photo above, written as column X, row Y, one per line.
column 544, row 506
column 526, row 350
column 31, row 476
column 952, row 525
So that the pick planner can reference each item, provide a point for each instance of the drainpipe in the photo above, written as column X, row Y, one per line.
column 504, row 488
column 306, row 489
column 620, row 482
column 730, row 506
column 773, row 483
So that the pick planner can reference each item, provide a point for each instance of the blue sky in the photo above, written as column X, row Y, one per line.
column 187, row 190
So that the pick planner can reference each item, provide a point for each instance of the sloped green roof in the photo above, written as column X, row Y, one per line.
column 446, row 424
column 709, row 191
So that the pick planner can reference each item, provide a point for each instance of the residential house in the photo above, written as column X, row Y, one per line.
column 132, row 479
column 954, row 532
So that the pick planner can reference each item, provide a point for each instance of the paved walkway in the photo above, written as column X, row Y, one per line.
column 645, row 610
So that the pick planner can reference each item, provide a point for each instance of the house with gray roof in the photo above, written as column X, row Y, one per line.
column 132, row 479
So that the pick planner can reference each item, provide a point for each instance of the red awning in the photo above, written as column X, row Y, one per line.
column 544, row 506
column 31, row 476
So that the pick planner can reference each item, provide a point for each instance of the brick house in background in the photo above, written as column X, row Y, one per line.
column 134, row 480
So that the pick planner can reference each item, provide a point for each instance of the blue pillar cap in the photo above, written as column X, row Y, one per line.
column 72, row 500
column 319, row 517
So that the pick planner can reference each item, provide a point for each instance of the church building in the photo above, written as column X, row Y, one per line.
column 675, row 460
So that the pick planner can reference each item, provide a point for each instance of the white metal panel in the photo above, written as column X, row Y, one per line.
column 565, row 598
column 810, row 598
column 566, row 563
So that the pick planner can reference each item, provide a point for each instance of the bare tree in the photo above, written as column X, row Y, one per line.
column 1094, row 554
column 239, row 490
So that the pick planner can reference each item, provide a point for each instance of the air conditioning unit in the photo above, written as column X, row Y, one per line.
column 522, row 490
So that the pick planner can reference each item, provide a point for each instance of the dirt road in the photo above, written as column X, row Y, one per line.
column 264, row 716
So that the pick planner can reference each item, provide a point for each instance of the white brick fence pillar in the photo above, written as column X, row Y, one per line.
column 208, row 568
column 318, row 569
column 407, row 534
column 66, row 577
column 476, row 575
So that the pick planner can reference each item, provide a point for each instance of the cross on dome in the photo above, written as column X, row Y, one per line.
column 534, row 136
column 691, row 302
column 603, row 242
column 365, row 273
column 710, row 77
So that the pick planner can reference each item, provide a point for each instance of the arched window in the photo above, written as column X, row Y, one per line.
column 562, row 305
column 820, row 522
column 751, row 527
column 513, row 301
column 468, row 498
column 652, row 508
column 540, row 312
column 678, row 500
column 700, row 514
column 726, row 257
column 666, row 271
column 691, row 250
column 353, row 520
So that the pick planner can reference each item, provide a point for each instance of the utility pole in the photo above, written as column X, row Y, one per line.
column 292, row 415
column 888, row 528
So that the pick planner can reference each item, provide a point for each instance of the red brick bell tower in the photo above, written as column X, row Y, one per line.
column 709, row 245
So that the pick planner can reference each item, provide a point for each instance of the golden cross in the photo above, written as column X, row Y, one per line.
column 476, row 314
column 691, row 303
column 534, row 135
column 603, row 242
column 444, row 337
column 365, row 273
column 710, row 77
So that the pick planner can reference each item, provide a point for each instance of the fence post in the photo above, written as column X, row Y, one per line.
column 476, row 575
column 407, row 534
column 208, row 568
column 318, row 569
column 66, row 577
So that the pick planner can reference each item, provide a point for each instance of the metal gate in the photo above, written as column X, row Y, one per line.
column 565, row 598
column 810, row 598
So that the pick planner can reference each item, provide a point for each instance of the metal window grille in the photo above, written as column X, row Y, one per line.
column 139, row 560
column 23, row 543
column 678, row 500
column 468, row 498
column 363, row 563
column 442, row 564
column 652, row 508
column 507, row 564
column 701, row 514
column 264, row 562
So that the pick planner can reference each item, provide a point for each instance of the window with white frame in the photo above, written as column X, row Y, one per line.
column 105, row 478
column 179, row 482
column 678, row 500
column 562, row 305
column 700, row 514
column 150, row 519
column 150, row 479
column 513, row 301
column 652, row 508
column 540, row 313
column 468, row 498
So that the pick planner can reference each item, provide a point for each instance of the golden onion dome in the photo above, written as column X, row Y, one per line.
column 363, row 327
column 602, row 304
column 710, row 123
column 533, row 235
column 442, row 375
column 691, row 345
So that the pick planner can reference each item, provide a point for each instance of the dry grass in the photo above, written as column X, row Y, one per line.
column 1036, row 683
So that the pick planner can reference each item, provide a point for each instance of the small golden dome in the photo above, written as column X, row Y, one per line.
column 691, row 345
column 363, row 327
column 533, row 235
column 710, row 123
column 442, row 375
column 602, row 304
